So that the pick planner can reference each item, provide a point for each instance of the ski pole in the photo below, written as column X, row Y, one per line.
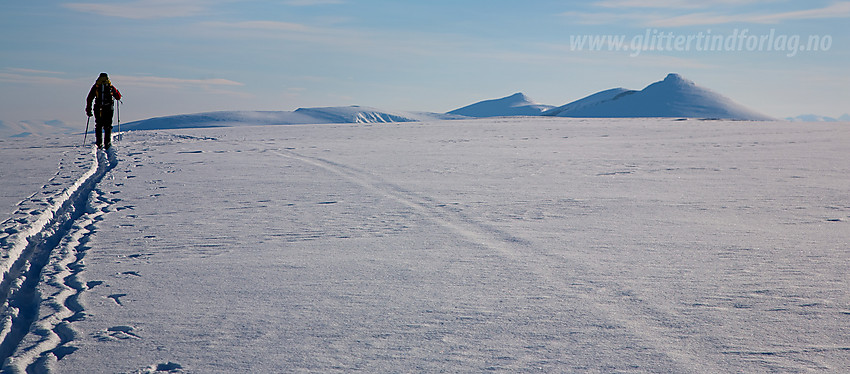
column 87, row 130
column 118, row 110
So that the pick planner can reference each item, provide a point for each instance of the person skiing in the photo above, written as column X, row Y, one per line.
column 104, row 95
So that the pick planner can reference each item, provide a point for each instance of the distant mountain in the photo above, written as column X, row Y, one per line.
column 811, row 118
column 348, row 114
column 362, row 114
column 817, row 118
column 514, row 105
column 675, row 96
column 591, row 100
column 217, row 119
column 24, row 129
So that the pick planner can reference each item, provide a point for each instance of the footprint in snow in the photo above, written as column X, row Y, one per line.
column 117, row 333
column 169, row 367
column 93, row 284
column 117, row 297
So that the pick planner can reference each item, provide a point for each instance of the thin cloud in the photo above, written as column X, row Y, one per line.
column 609, row 18
column 33, row 71
column 173, row 86
column 291, row 31
column 675, row 4
column 696, row 19
column 33, row 77
column 164, row 82
column 366, row 41
column 665, row 4
column 837, row 10
column 312, row 2
column 266, row 26
column 658, row 13
column 142, row 9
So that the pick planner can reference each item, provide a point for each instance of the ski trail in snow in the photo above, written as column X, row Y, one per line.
column 45, row 257
column 646, row 323
column 424, row 206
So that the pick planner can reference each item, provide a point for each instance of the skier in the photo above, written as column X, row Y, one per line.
column 104, row 95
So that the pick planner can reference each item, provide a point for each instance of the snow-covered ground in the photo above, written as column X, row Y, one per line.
column 502, row 244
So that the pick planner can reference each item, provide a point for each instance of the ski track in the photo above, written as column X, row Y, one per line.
column 646, row 323
column 42, row 259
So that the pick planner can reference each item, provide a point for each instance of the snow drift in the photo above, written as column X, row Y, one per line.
column 514, row 105
column 675, row 96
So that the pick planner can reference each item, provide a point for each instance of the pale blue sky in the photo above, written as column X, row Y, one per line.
column 186, row 56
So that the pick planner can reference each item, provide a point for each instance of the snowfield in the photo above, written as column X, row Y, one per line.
column 502, row 244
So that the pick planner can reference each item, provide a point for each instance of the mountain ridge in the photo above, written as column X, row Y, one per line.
column 674, row 96
column 300, row 116
column 818, row 118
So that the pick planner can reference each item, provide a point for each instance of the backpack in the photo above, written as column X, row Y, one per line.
column 103, row 96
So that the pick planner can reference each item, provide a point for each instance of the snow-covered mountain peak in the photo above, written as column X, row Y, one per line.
column 673, row 82
column 519, row 98
column 675, row 78
column 675, row 96
column 517, row 104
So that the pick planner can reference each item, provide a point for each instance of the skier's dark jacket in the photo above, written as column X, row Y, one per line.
column 98, row 100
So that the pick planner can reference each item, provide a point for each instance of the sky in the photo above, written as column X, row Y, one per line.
column 782, row 58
